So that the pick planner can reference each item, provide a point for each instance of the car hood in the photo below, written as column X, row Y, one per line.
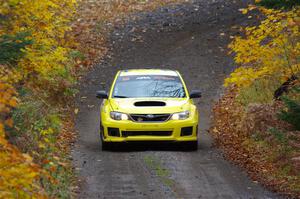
column 144, row 106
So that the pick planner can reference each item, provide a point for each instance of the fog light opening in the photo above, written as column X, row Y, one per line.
column 114, row 132
column 186, row 131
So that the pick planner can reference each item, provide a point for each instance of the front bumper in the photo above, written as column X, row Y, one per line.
column 172, row 130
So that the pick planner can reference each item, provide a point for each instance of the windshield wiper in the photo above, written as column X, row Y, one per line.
column 120, row 96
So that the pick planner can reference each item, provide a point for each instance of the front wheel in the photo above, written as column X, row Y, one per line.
column 191, row 146
column 104, row 145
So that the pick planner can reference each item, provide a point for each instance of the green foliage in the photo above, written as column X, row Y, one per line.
column 292, row 112
column 279, row 4
column 261, row 91
column 39, row 124
column 155, row 165
column 279, row 135
column 62, row 177
column 35, row 120
column 71, row 91
column 75, row 54
column 12, row 47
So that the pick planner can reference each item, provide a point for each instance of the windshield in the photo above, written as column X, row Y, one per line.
column 148, row 86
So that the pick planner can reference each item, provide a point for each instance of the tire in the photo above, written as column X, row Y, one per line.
column 105, row 146
column 191, row 146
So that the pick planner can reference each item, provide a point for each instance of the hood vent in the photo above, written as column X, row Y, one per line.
column 149, row 103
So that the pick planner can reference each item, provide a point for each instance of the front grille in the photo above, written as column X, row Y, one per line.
column 150, row 117
column 146, row 133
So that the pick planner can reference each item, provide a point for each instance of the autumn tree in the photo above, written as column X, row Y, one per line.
column 34, row 56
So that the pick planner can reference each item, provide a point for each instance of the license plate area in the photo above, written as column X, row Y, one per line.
column 146, row 133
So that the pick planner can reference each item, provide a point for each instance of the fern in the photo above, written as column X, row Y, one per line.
column 11, row 47
column 292, row 114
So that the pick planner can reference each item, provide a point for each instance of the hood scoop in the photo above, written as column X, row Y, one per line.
column 149, row 103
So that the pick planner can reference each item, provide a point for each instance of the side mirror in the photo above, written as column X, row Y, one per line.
column 101, row 95
column 195, row 94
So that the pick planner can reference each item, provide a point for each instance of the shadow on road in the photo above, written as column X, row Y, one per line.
column 149, row 146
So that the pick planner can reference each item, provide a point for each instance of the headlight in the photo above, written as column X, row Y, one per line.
column 181, row 116
column 118, row 116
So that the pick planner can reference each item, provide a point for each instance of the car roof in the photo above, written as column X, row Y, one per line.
column 148, row 72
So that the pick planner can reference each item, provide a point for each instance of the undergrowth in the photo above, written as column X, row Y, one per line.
column 257, row 121
column 279, row 4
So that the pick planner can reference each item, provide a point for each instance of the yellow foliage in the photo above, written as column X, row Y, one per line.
column 272, row 48
column 7, row 98
column 48, row 131
column 18, row 174
column 47, row 23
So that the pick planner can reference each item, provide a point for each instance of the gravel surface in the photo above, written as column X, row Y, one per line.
column 191, row 38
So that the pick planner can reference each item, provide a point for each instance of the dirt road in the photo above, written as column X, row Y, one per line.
column 191, row 38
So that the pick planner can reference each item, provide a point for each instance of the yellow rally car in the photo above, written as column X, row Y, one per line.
column 148, row 105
